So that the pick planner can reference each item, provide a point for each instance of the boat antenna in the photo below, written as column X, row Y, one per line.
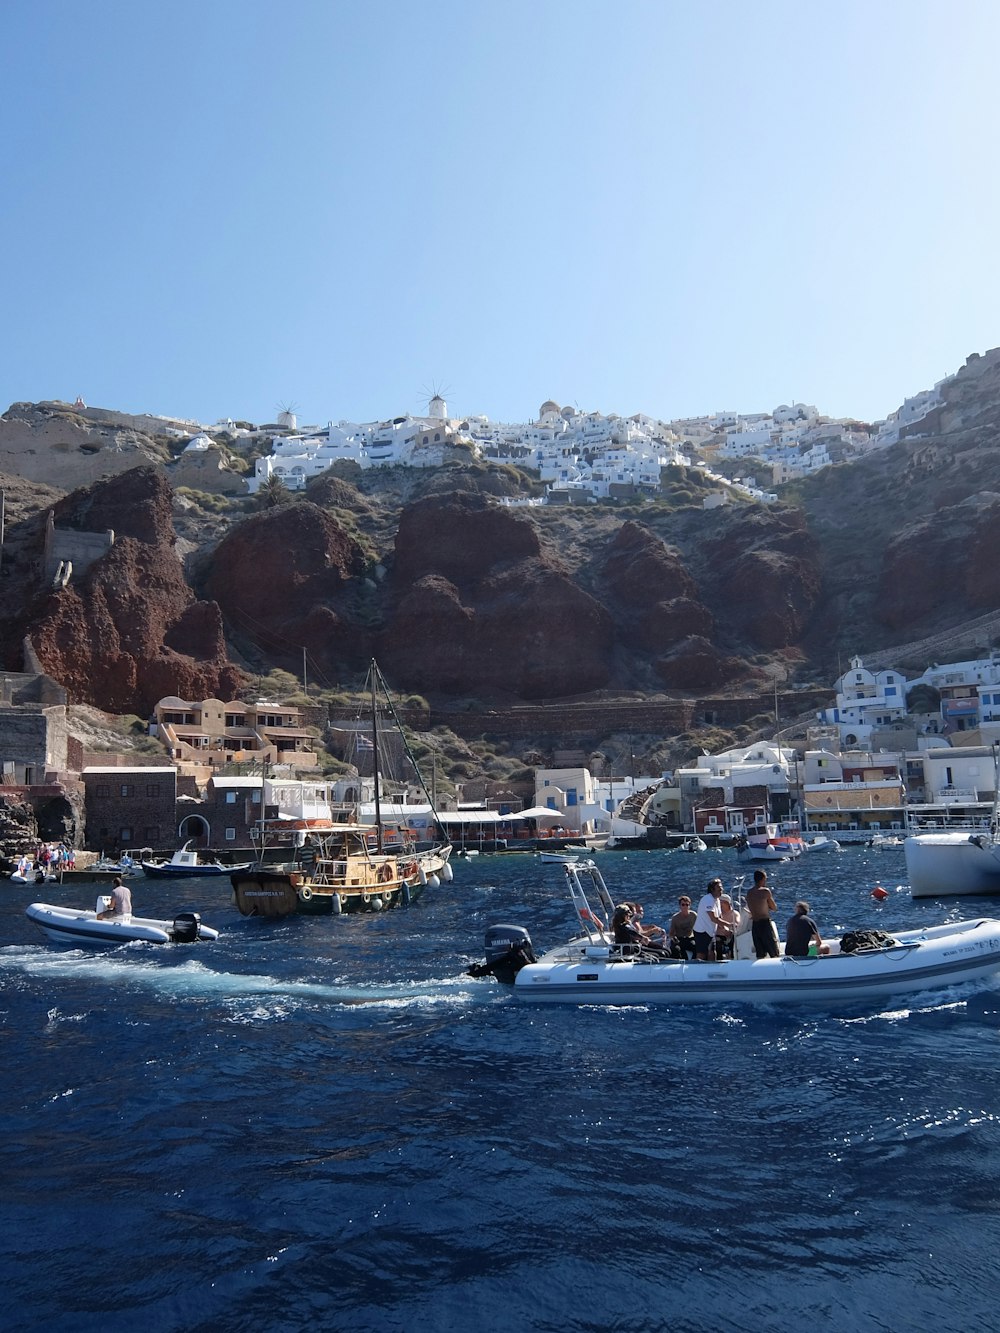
column 406, row 744
column 375, row 676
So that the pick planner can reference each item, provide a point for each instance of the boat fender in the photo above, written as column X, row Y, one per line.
column 421, row 874
column 305, row 893
column 447, row 874
column 404, row 893
column 433, row 881
column 337, row 904
column 880, row 894
column 376, row 904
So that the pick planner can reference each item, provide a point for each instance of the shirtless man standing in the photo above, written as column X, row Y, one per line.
column 761, row 905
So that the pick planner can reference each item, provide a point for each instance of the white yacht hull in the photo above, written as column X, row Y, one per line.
column 952, row 865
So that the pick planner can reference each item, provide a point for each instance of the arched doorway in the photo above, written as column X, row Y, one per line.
column 195, row 828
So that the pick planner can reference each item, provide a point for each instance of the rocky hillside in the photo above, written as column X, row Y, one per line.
column 462, row 598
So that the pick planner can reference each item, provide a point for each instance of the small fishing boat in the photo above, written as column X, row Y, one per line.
column 592, row 969
column 69, row 925
column 32, row 876
column 763, row 841
column 694, row 844
column 821, row 843
column 186, row 862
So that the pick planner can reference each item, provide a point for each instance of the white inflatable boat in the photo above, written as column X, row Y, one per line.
column 70, row 925
column 591, row 969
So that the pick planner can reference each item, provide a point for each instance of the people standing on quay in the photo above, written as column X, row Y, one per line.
column 761, row 905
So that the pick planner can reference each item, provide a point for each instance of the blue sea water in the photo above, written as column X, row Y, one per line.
column 324, row 1124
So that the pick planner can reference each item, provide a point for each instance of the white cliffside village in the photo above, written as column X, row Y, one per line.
column 588, row 456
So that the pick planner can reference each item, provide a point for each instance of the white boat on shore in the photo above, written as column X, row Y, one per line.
column 70, row 925
column 592, row 969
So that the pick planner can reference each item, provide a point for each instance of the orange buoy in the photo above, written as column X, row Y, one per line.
column 880, row 894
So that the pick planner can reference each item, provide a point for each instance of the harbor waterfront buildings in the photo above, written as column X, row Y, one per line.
column 892, row 752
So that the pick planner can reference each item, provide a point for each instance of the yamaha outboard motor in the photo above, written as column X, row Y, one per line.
column 508, row 949
column 186, row 927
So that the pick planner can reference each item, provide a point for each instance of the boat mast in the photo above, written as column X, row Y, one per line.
column 375, row 772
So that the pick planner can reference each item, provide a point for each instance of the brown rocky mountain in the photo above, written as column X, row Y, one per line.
column 129, row 629
column 461, row 597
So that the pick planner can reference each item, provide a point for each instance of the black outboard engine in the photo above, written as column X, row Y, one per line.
column 508, row 949
column 186, row 927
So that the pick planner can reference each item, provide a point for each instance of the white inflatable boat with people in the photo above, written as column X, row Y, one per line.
column 607, row 961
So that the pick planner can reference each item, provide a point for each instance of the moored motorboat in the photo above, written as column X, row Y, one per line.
column 694, row 844
column 69, row 925
column 592, row 969
column 186, row 862
column 881, row 842
column 821, row 843
column 762, row 842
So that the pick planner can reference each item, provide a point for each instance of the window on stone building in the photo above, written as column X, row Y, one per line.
column 126, row 789
column 125, row 835
column 230, row 798
column 152, row 789
column 102, row 789
column 151, row 834
column 230, row 835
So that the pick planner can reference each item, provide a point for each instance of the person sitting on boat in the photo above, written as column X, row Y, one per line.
column 725, row 934
column 682, row 930
column 626, row 931
column 652, row 934
column 761, row 905
column 121, row 902
column 707, row 922
column 801, row 933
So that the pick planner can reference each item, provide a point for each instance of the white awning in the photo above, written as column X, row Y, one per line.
column 471, row 817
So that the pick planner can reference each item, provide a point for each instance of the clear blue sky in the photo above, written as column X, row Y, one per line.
column 213, row 207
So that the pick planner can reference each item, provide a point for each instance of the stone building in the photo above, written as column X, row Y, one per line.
column 130, row 808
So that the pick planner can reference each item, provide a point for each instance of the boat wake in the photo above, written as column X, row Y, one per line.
column 192, row 980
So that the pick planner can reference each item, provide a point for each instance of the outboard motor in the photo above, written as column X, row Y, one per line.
column 508, row 949
column 186, row 927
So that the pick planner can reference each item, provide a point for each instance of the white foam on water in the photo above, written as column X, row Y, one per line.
column 195, row 981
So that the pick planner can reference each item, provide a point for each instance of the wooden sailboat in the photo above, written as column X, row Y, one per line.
column 350, row 866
